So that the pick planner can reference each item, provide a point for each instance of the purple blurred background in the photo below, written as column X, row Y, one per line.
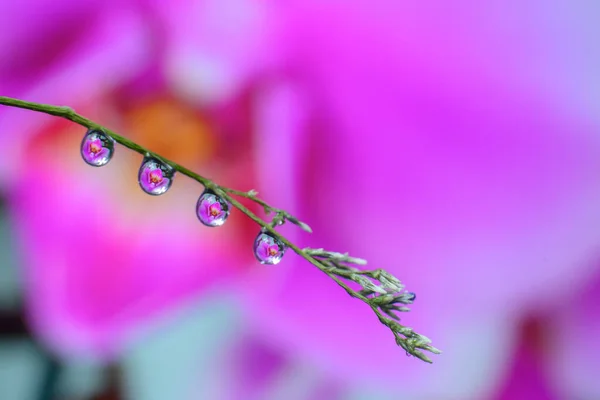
column 455, row 144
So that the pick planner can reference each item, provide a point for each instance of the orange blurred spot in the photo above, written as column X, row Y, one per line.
column 172, row 130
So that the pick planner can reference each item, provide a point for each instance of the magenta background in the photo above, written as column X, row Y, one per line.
column 454, row 144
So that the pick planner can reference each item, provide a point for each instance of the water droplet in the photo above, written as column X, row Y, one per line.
column 212, row 210
column 155, row 177
column 268, row 249
column 97, row 148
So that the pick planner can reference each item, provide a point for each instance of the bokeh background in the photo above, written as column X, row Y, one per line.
column 456, row 144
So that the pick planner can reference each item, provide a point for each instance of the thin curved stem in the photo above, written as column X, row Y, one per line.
column 380, row 290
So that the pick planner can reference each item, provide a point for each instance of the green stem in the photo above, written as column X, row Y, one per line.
column 226, row 193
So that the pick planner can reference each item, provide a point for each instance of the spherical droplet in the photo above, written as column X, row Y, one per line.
column 97, row 148
column 155, row 177
column 212, row 210
column 268, row 249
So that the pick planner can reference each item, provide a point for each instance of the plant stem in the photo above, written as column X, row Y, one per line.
column 327, row 262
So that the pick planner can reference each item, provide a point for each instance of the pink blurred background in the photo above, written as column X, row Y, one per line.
column 455, row 144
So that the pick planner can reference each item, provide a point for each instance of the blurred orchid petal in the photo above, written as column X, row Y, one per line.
column 93, row 277
column 89, row 65
column 479, row 180
column 214, row 47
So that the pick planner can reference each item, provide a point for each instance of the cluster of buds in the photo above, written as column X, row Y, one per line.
column 382, row 291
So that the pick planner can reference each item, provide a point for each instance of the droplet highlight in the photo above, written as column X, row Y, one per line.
column 97, row 148
column 155, row 177
column 212, row 210
column 268, row 249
